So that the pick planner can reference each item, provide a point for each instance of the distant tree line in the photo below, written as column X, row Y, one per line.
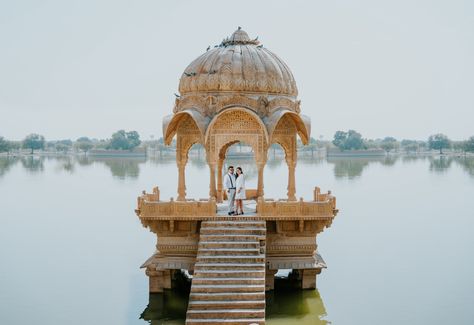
column 352, row 140
column 344, row 140
column 120, row 140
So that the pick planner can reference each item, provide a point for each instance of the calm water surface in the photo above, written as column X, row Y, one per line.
column 401, row 250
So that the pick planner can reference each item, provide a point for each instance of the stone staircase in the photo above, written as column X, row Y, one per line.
column 228, row 286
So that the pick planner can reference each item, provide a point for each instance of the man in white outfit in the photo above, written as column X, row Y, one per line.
column 229, row 186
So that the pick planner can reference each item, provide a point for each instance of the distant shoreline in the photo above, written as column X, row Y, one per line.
column 317, row 153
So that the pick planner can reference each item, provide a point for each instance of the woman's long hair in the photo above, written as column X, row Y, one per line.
column 241, row 172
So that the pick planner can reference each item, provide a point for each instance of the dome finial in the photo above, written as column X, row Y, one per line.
column 239, row 37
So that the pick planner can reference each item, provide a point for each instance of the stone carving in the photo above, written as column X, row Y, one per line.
column 236, row 125
column 209, row 105
column 263, row 109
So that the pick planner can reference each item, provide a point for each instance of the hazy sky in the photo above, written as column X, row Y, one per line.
column 402, row 68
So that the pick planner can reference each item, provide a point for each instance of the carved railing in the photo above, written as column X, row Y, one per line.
column 324, row 197
column 154, row 196
column 323, row 206
column 150, row 207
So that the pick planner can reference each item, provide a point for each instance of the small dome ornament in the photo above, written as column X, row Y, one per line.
column 239, row 37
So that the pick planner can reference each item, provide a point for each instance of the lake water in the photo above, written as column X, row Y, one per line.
column 401, row 250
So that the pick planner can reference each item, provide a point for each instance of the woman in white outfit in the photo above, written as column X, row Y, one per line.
column 240, row 191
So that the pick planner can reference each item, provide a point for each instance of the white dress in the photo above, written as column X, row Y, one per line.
column 240, row 184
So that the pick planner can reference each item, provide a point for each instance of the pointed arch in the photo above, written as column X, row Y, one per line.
column 302, row 123
column 172, row 122
column 233, row 125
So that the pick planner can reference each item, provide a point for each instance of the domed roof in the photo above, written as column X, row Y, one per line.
column 238, row 64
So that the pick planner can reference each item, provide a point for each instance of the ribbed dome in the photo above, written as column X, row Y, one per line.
column 238, row 64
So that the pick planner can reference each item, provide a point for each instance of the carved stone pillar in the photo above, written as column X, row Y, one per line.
column 220, row 163
column 181, row 180
column 260, row 166
column 158, row 280
column 270, row 279
column 291, row 181
column 212, row 182
column 308, row 278
column 167, row 277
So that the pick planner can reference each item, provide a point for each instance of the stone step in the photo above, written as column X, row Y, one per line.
column 204, row 266
column 228, row 285
column 228, row 244
column 228, row 251
column 230, row 237
column 215, row 321
column 229, row 274
column 233, row 231
column 227, row 288
column 225, row 314
column 236, row 281
column 231, row 259
column 226, row 304
column 244, row 217
column 233, row 223
column 226, row 296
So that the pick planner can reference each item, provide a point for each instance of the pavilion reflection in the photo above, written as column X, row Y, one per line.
column 170, row 306
column 283, row 305
column 295, row 307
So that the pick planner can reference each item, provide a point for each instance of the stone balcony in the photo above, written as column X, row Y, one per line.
column 322, row 207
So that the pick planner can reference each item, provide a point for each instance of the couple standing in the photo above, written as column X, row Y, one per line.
column 234, row 184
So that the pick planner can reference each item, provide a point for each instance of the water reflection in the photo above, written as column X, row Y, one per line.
column 349, row 168
column 170, row 306
column 467, row 164
column 33, row 164
column 389, row 160
column 6, row 163
column 275, row 161
column 247, row 163
column 308, row 160
column 65, row 163
column 440, row 164
column 295, row 307
column 413, row 158
column 198, row 161
column 168, row 159
column 352, row 167
column 122, row 168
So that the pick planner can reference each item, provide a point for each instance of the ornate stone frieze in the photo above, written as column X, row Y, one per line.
column 211, row 104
